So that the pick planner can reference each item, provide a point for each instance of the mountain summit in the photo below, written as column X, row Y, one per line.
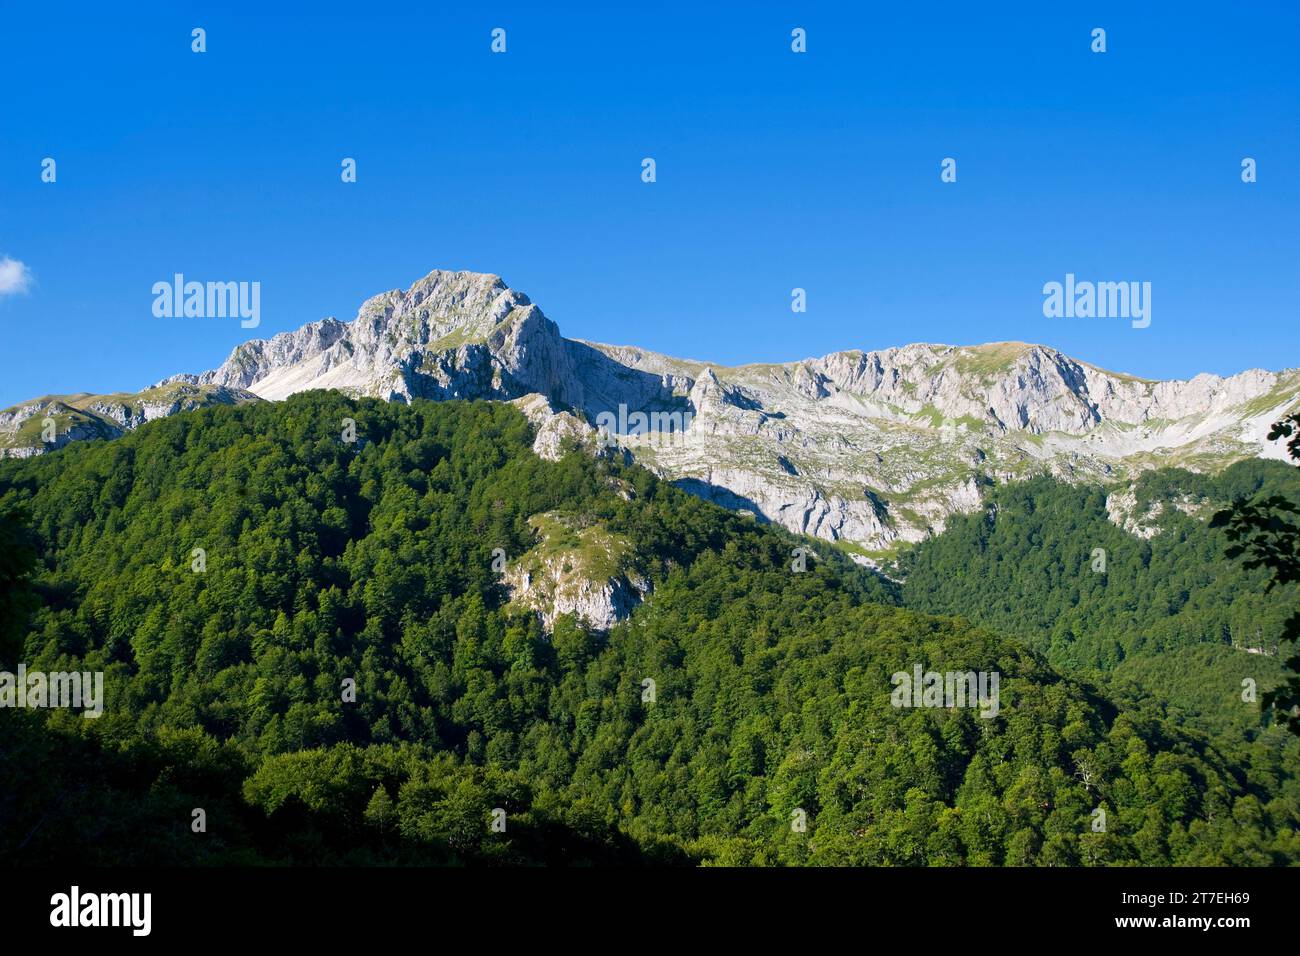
column 868, row 448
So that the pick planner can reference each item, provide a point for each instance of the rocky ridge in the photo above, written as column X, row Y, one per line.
column 869, row 449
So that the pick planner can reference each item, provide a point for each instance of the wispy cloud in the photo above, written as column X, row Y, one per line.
column 15, row 277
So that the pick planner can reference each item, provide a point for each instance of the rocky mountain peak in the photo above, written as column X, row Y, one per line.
column 872, row 448
column 440, row 304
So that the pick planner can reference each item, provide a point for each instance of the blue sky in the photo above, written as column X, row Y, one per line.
column 775, row 170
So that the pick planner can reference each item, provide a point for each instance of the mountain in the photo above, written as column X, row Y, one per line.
column 82, row 416
column 350, row 676
column 1162, row 617
column 871, row 449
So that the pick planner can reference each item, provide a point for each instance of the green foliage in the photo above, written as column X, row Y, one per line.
column 1173, row 629
column 17, row 560
column 328, row 561
column 1025, row 566
column 1266, row 531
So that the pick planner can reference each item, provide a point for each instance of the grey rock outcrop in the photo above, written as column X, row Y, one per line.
column 868, row 448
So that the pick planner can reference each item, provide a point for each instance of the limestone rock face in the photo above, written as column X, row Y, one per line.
column 1122, row 509
column 872, row 449
column 577, row 569
column 557, row 432
column 597, row 604
column 23, row 428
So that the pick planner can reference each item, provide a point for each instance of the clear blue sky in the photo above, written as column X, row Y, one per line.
column 775, row 170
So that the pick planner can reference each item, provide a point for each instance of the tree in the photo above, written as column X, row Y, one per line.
column 17, row 559
column 379, row 811
column 1267, row 532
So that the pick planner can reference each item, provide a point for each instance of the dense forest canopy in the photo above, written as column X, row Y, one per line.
column 231, row 570
column 1162, row 615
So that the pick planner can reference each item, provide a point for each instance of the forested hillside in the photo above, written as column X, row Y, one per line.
column 1028, row 565
column 741, row 698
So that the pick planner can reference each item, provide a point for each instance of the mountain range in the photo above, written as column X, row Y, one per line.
column 868, row 449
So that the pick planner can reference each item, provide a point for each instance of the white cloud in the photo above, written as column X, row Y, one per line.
column 14, row 277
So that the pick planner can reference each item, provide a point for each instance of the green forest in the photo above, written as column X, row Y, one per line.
column 1170, row 618
column 309, row 640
